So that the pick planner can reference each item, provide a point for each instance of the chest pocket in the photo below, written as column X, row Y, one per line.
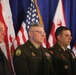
column 64, row 63
column 35, row 59
column 36, row 63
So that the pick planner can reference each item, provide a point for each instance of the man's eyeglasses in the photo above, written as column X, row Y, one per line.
column 40, row 32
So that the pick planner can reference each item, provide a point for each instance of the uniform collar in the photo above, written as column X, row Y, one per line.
column 63, row 48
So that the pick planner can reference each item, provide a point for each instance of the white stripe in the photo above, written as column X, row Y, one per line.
column 25, row 31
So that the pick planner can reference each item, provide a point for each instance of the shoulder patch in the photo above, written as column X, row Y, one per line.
column 18, row 52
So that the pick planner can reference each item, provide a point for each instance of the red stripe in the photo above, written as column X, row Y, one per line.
column 18, row 40
column 53, row 33
column 75, row 45
column 48, row 44
column 6, row 38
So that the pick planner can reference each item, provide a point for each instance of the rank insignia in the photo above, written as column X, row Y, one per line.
column 73, row 56
column 51, row 52
column 33, row 54
column 65, row 66
column 18, row 52
column 62, row 56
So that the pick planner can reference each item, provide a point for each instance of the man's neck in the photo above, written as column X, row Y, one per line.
column 62, row 46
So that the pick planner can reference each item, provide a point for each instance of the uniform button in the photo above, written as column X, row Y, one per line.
column 65, row 67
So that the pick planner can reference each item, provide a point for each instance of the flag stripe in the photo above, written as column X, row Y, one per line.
column 58, row 20
column 6, row 19
column 33, row 16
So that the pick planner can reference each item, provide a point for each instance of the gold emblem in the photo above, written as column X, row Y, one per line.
column 18, row 52
column 65, row 66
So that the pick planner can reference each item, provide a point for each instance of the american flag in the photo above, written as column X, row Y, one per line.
column 59, row 20
column 33, row 16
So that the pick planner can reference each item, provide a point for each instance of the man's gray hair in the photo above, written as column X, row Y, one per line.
column 35, row 25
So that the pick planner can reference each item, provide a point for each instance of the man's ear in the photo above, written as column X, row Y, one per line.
column 59, row 37
column 30, row 34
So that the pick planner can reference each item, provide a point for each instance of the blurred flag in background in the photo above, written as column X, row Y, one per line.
column 6, row 19
column 33, row 16
column 59, row 20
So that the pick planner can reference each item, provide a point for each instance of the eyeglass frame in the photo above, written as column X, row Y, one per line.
column 41, row 32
